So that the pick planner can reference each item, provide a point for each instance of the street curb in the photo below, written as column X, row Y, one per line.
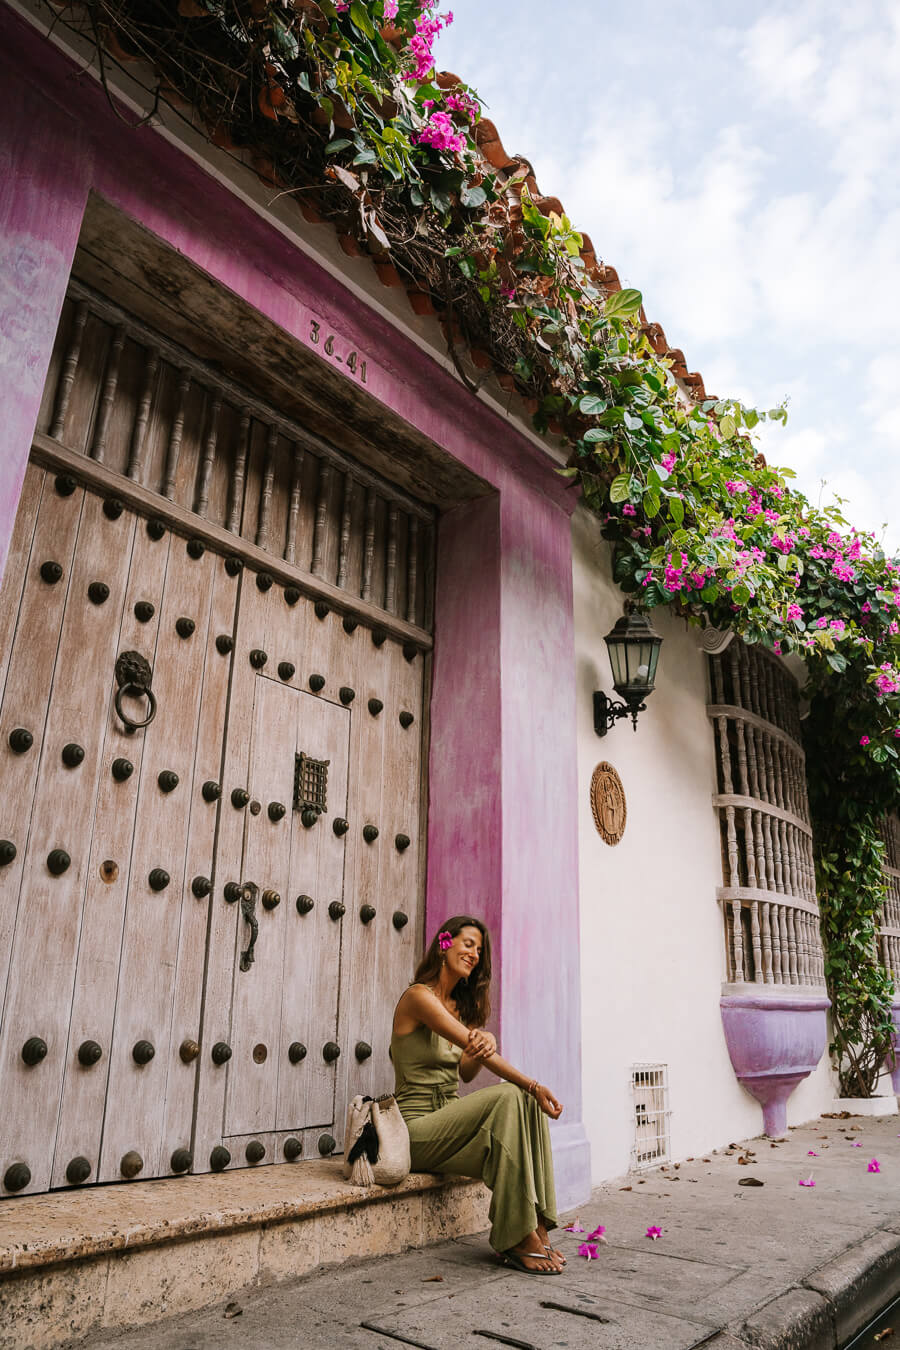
column 830, row 1305
column 800, row 1319
column 859, row 1283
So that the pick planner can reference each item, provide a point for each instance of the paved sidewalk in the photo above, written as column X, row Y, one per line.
column 777, row 1265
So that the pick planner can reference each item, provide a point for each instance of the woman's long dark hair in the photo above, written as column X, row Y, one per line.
column 473, row 994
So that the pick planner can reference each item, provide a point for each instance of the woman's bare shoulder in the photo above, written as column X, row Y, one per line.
column 409, row 1004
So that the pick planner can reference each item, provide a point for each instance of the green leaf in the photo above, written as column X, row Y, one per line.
column 727, row 427
column 472, row 196
column 592, row 405
column 676, row 510
column 597, row 434
column 837, row 661
column 620, row 489
column 623, row 304
column 334, row 146
column 360, row 19
column 651, row 504
column 741, row 595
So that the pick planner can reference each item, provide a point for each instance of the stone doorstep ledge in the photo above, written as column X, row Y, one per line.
column 830, row 1306
column 77, row 1262
column 72, row 1225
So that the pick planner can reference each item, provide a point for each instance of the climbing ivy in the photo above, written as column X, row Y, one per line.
column 339, row 104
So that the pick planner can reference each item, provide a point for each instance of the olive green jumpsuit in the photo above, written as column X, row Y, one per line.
column 498, row 1134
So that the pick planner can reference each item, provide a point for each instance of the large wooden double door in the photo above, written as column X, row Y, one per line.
column 204, row 920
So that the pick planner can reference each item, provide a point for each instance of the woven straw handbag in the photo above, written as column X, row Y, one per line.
column 376, row 1144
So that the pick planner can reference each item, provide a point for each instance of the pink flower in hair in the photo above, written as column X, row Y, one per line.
column 445, row 940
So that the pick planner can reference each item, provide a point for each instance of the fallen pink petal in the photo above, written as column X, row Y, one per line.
column 855, row 1144
column 808, row 1181
column 573, row 1227
column 811, row 1153
column 588, row 1250
column 654, row 1233
column 597, row 1235
column 874, row 1166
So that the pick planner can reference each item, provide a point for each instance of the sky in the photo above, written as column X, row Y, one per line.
column 740, row 165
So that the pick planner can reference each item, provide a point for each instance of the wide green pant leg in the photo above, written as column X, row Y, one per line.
column 501, row 1135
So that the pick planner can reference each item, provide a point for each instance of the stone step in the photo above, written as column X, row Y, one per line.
column 73, row 1262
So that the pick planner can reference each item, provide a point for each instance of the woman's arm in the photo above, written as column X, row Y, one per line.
column 470, row 1064
column 419, row 1006
column 422, row 1006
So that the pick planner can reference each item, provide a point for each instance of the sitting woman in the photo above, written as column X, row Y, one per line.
column 500, row 1133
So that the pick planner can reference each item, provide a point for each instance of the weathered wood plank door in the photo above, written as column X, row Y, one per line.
column 104, row 936
column 204, row 920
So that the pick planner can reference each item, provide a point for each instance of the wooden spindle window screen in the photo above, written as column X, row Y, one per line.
column 768, row 899
column 890, row 915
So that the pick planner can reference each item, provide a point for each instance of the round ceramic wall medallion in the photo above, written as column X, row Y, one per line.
column 608, row 803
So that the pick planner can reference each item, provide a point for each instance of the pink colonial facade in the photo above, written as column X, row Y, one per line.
column 203, row 393
column 501, row 784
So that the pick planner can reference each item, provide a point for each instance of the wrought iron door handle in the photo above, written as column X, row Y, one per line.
column 133, row 676
column 249, row 892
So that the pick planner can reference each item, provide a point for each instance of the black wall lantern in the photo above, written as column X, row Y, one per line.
column 633, row 655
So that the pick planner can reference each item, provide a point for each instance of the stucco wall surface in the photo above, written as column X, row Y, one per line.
column 652, row 951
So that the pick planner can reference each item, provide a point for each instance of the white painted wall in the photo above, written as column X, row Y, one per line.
column 652, row 950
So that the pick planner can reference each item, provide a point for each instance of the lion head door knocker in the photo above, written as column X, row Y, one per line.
column 608, row 804
column 133, row 676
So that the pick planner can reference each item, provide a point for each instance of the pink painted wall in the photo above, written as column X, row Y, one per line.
column 502, row 786
column 465, row 819
column 36, row 249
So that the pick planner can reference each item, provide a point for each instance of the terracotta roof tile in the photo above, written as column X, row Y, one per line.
column 487, row 138
column 517, row 171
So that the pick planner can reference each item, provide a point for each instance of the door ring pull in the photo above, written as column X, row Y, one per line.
column 133, row 676
column 249, row 892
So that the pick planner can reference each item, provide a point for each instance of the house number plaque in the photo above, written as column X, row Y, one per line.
column 608, row 804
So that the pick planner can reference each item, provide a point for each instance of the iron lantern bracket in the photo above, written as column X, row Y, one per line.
column 607, row 712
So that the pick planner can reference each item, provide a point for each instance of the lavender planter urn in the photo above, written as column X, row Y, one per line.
column 775, row 1041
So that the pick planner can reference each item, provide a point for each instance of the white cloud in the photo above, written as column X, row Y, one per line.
column 742, row 172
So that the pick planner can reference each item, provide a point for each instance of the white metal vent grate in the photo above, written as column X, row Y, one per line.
column 650, row 1098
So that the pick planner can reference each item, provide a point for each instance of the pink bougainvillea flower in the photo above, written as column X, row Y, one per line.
column 573, row 1227
column 390, row 9
column 588, row 1250
column 654, row 1233
column 855, row 1144
column 628, row 510
column 874, row 1166
column 808, row 1181
column 811, row 1153
column 597, row 1235
column 445, row 940
column 864, row 740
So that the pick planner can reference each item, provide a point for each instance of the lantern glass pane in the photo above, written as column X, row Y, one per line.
column 639, row 663
column 618, row 662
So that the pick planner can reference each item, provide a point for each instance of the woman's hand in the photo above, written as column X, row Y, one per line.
column 547, row 1102
column 481, row 1045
